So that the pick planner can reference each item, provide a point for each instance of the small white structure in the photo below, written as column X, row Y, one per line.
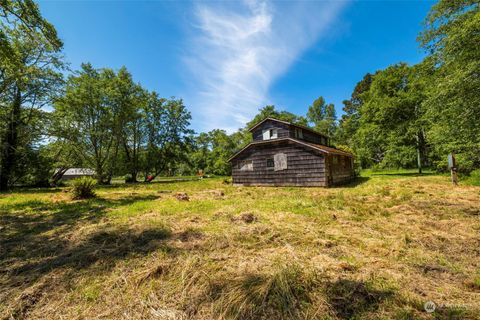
column 74, row 173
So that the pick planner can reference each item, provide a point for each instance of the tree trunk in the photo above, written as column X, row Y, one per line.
column 419, row 160
column 10, row 144
column 57, row 176
column 99, row 173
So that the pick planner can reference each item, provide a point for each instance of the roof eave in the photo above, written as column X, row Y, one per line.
column 268, row 118
column 288, row 123
column 288, row 139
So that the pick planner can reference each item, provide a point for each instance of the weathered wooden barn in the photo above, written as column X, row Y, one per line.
column 285, row 154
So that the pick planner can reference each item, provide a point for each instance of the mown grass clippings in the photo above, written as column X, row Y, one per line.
column 387, row 244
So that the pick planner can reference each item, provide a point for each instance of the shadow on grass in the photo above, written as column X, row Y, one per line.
column 354, row 183
column 39, row 237
column 350, row 299
column 106, row 246
column 404, row 174
column 30, row 190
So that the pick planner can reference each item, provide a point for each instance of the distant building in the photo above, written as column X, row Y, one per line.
column 74, row 173
column 285, row 154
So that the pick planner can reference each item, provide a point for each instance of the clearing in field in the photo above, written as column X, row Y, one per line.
column 380, row 248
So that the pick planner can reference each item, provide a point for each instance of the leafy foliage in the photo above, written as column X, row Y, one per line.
column 453, row 101
column 323, row 116
column 117, row 127
column 349, row 123
column 30, row 76
column 83, row 188
column 272, row 112
column 390, row 131
column 212, row 151
column 415, row 115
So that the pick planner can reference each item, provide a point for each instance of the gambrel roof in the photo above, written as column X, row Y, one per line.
column 290, row 124
column 317, row 147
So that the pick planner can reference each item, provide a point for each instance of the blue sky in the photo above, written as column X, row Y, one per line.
column 228, row 59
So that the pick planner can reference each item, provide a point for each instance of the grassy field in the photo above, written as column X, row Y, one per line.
column 376, row 249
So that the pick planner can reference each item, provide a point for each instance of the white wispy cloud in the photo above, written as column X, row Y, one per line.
column 239, row 49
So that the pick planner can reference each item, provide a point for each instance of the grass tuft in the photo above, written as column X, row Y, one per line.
column 281, row 293
column 83, row 188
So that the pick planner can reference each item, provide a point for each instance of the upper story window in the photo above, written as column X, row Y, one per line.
column 270, row 134
column 298, row 133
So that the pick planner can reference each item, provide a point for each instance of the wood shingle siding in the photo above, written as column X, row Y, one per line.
column 283, row 130
column 309, row 159
column 304, row 167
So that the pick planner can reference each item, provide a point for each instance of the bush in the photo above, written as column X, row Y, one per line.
column 474, row 178
column 83, row 188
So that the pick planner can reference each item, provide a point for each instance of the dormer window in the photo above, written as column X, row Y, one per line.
column 298, row 133
column 270, row 134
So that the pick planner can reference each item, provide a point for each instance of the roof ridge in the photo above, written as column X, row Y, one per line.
column 289, row 123
column 306, row 143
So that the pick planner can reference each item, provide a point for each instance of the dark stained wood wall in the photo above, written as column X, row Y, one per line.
column 283, row 130
column 304, row 166
column 288, row 131
column 340, row 169
column 310, row 137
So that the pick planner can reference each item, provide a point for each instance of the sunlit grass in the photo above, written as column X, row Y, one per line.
column 378, row 248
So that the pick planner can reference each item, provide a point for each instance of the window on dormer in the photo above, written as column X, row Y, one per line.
column 298, row 133
column 270, row 134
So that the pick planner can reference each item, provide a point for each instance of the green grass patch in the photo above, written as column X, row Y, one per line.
column 375, row 249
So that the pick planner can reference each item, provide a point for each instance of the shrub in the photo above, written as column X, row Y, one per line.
column 83, row 188
column 129, row 178
column 474, row 178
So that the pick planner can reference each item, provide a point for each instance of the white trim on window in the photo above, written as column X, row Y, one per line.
column 268, row 134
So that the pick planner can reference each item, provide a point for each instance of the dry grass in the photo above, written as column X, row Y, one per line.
column 378, row 249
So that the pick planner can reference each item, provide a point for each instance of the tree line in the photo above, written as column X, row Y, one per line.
column 403, row 116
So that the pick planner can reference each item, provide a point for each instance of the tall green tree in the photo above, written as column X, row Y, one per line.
column 391, row 130
column 452, row 37
column 128, row 101
column 30, row 76
column 349, row 123
column 25, row 15
column 86, row 119
column 272, row 112
column 167, row 135
column 322, row 116
column 213, row 149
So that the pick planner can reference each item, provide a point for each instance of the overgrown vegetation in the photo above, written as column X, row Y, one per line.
column 376, row 249
column 83, row 188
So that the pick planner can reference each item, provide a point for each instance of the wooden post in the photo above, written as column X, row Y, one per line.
column 453, row 168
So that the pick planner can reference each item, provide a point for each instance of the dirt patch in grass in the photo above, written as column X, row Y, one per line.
column 182, row 196
column 246, row 217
